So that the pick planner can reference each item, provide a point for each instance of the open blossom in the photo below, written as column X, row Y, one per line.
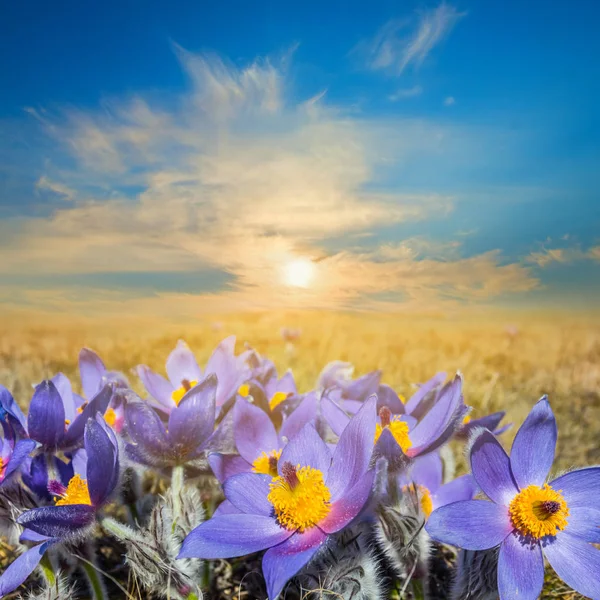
column 54, row 419
column 257, row 441
column 313, row 495
column 185, row 437
column 184, row 373
column 400, row 438
column 528, row 517
column 76, row 504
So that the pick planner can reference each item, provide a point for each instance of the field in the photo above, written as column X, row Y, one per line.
column 508, row 361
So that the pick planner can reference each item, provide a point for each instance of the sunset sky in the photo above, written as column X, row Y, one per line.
column 189, row 156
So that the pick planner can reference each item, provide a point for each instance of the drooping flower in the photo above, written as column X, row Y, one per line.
column 400, row 438
column 187, row 434
column 184, row 373
column 313, row 496
column 54, row 420
column 76, row 505
column 527, row 517
column 258, row 443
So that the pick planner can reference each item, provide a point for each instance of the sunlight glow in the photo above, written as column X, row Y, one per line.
column 299, row 272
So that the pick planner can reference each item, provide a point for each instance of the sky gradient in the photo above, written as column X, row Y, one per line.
column 183, row 158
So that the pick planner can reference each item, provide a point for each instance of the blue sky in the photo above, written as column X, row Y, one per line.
column 185, row 154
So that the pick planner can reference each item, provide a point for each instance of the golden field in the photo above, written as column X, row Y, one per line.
column 508, row 360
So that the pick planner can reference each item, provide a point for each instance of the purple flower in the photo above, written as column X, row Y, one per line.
column 490, row 422
column 188, row 432
column 313, row 496
column 75, row 510
column 12, row 455
column 257, row 441
column 184, row 373
column 54, row 419
column 12, row 419
column 527, row 517
column 427, row 475
column 399, row 437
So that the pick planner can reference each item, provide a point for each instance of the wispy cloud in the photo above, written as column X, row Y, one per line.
column 400, row 44
column 402, row 94
column 547, row 256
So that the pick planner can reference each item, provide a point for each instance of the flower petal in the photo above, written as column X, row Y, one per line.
column 46, row 419
column 461, row 488
column 146, row 428
column 224, row 365
column 576, row 563
column 20, row 569
column 345, row 509
column 254, row 431
column 287, row 384
column 490, row 466
column 354, row 450
column 65, row 390
column 428, row 471
column 9, row 407
column 248, row 492
column 58, row 521
column 182, row 365
column 103, row 462
column 306, row 449
column 580, row 488
column 91, row 372
column 193, row 421
column 520, row 569
column 97, row 405
column 336, row 418
column 298, row 418
column 226, row 465
column 21, row 451
column 226, row 508
column 584, row 523
column 230, row 535
column 386, row 396
column 282, row 562
column 157, row 386
column 532, row 452
column 471, row 524
column 429, row 386
column 364, row 386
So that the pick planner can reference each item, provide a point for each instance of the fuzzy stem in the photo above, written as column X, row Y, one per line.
column 48, row 571
column 176, row 487
column 124, row 533
column 95, row 581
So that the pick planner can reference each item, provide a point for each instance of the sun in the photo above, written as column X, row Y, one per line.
column 299, row 272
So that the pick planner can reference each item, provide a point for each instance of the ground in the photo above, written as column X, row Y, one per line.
column 508, row 360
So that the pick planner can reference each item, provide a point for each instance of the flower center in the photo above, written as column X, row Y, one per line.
column 186, row 386
column 76, row 493
column 244, row 390
column 398, row 428
column 110, row 416
column 300, row 497
column 277, row 399
column 423, row 495
column 267, row 463
column 539, row 511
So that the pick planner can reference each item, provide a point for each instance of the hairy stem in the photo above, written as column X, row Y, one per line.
column 176, row 487
column 95, row 581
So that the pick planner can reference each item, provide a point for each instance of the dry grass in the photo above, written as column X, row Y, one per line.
column 504, row 370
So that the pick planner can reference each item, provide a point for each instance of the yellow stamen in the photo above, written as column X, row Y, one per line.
column 1, row 466
column 244, row 390
column 186, row 386
column 77, row 493
column 110, row 416
column 67, row 422
column 399, row 429
column 466, row 420
column 278, row 398
column 300, row 497
column 424, row 496
column 267, row 463
column 539, row 511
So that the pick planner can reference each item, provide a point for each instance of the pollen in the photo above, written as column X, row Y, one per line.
column 423, row 495
column 277, row 399
column 300, row 497
column 244, row 390
column 76, row 493
column 1, row 466
column 267, row 463
column 110, row 416
column 539, row 511
column 466, row 420
column 186, row 386
column 398, row 428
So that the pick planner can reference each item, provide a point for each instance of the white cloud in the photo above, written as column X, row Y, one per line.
column 394, row 49
column 564, row 255
column 402, row 94
column 449, row 101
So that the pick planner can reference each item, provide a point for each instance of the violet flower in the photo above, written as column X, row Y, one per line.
column 292, row 515
column 12, row 455
column 257, row 441
column 184, row 373
column 490, row 422
column 12, row 419
column 74, row 512
column 527, row 517
column 54, row 419
column 187, row 434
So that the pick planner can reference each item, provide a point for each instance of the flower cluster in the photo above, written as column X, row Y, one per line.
column 345, row 487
